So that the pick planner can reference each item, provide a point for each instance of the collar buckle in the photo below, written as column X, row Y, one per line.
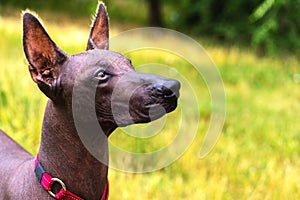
column 63, row 186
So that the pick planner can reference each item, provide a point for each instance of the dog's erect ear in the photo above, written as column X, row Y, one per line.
column 99, row 34
column 43, row 55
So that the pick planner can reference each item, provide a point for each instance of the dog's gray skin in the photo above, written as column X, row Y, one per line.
column 61, row 151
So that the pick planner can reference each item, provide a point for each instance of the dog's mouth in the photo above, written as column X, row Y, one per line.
column 156, row 111
column 152, row 112
column 168, row 102
column 155, row 106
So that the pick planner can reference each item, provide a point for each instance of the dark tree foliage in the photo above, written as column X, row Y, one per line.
column 271, row 26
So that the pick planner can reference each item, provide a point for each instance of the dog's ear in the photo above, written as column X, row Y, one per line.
column 99, row 35
column 44, row 57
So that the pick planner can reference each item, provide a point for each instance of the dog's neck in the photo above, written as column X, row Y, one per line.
column 64, row 156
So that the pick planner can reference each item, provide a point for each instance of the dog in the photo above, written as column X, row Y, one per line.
column 64, row 167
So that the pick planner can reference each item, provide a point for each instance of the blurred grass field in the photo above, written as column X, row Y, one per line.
column 257, row 156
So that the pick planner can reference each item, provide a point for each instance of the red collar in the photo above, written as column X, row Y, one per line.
column 47, row 181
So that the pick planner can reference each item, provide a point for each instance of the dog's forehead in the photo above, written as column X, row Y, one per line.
column 88, row 62
column 106, row 58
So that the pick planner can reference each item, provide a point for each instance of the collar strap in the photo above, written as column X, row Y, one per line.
column 47, row 181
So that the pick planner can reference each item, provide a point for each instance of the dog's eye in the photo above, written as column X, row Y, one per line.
column 102, row 75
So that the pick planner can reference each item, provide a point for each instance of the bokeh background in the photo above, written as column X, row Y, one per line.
column 254, row 44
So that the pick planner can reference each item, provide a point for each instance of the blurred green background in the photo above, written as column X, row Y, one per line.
column 270, row 26
column 255, row 45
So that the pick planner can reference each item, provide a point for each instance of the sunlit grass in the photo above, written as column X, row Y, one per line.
column 257, row 157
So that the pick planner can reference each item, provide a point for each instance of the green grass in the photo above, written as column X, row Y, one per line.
column 257, row 156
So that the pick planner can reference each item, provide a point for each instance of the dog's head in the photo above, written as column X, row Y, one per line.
column 102, row 81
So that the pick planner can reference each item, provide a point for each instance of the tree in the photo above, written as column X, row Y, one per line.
column 154, row 8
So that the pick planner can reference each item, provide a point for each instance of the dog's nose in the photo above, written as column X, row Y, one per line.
column 168, row 89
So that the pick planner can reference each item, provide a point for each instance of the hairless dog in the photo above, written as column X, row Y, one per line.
column 64, row 167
